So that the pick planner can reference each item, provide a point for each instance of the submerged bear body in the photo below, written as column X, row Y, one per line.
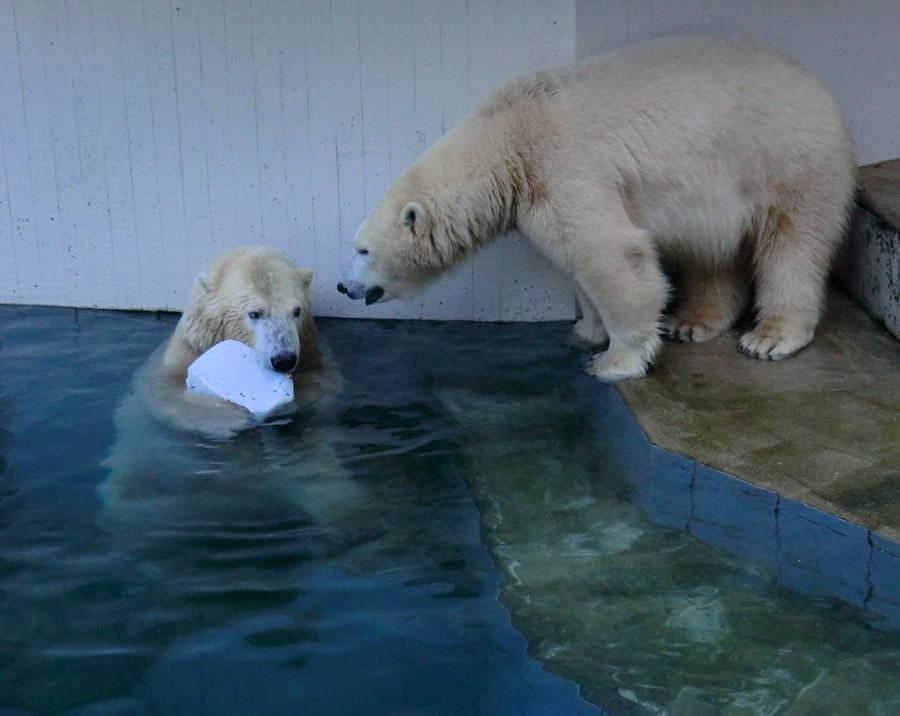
column 179, row 454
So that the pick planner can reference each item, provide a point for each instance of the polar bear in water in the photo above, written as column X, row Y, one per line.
column 182, row 460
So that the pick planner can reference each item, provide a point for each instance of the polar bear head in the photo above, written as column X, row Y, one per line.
column 452, row 199
column 398, row 248
column 257, row 296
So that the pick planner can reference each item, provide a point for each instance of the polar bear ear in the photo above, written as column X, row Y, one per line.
column 203, row 283
column 305, row 277
column 415, row 218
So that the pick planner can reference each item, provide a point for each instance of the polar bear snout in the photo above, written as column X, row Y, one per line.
column 356, row 291
column 277, row 342
column 352, row 289
column 359, row 281
column 284, row 362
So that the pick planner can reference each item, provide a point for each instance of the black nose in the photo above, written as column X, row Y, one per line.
column 342, row 288
column 284, row 362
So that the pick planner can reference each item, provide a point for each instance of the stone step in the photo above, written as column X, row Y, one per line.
column 868, row 267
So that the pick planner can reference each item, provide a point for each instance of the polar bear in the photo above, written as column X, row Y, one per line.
column 254, row 295
column 181, row 458
column 250, row 294
column 720, row 163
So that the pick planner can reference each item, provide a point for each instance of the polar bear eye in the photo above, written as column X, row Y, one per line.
column 253, row 315
column 363, row 252
column 297, row 312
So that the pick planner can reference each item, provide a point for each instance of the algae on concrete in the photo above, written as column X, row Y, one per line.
column 822, row 427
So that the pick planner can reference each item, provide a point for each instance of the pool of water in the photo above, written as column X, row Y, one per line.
column 451, row 536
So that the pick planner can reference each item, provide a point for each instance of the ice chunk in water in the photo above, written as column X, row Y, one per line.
column 233, row 371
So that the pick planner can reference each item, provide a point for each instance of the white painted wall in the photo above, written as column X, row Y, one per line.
column 140, row 137
column 851, row 46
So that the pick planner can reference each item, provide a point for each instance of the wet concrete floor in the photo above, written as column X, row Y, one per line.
column 822, row 427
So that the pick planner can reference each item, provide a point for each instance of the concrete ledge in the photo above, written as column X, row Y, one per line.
column 822, row 427
column 869, row 265
column 793, row 465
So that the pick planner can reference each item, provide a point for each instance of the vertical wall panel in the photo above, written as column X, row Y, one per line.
column 92, row 240
column 398, row 67
column 451, row 297
column 147, row 255
column 322, row 80
column 41, row 228
column 268, row 109
column 374, row 84
column 216, row 125
column 481, row 28
column 346, row 110
column 529, row 288
column 193, row 148
column 243, row 120
column 169, row 189
column 21, row 241
column 118, row 236
column 59, row 78
column 140, row 137
column 295, row 122
column 9, row 85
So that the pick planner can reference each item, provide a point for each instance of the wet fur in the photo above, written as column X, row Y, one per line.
column 240, row 279
column 178, row 455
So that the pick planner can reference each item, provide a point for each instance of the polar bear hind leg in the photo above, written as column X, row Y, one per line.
column 712, row 300
column 791, row 259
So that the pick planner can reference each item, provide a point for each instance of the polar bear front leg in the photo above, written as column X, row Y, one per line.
column 624, row 282
column 588, row 332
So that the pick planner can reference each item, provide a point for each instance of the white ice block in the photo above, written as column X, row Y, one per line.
column 233, row 371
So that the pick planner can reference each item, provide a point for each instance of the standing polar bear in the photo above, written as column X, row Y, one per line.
column 720, row 160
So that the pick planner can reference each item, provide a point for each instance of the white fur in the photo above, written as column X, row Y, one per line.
column 250, row 294
column 238, row 282
column 722, row 161
column 164, row 470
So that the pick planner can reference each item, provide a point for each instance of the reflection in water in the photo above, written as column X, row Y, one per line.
column 337, row 564
column 321, row 564
column 646, row 619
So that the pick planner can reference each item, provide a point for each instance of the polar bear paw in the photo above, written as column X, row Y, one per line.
column 696, row 329
column 776, row 338
column 621, row 362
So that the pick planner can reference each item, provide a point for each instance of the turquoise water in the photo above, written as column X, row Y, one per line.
column 451, row 537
